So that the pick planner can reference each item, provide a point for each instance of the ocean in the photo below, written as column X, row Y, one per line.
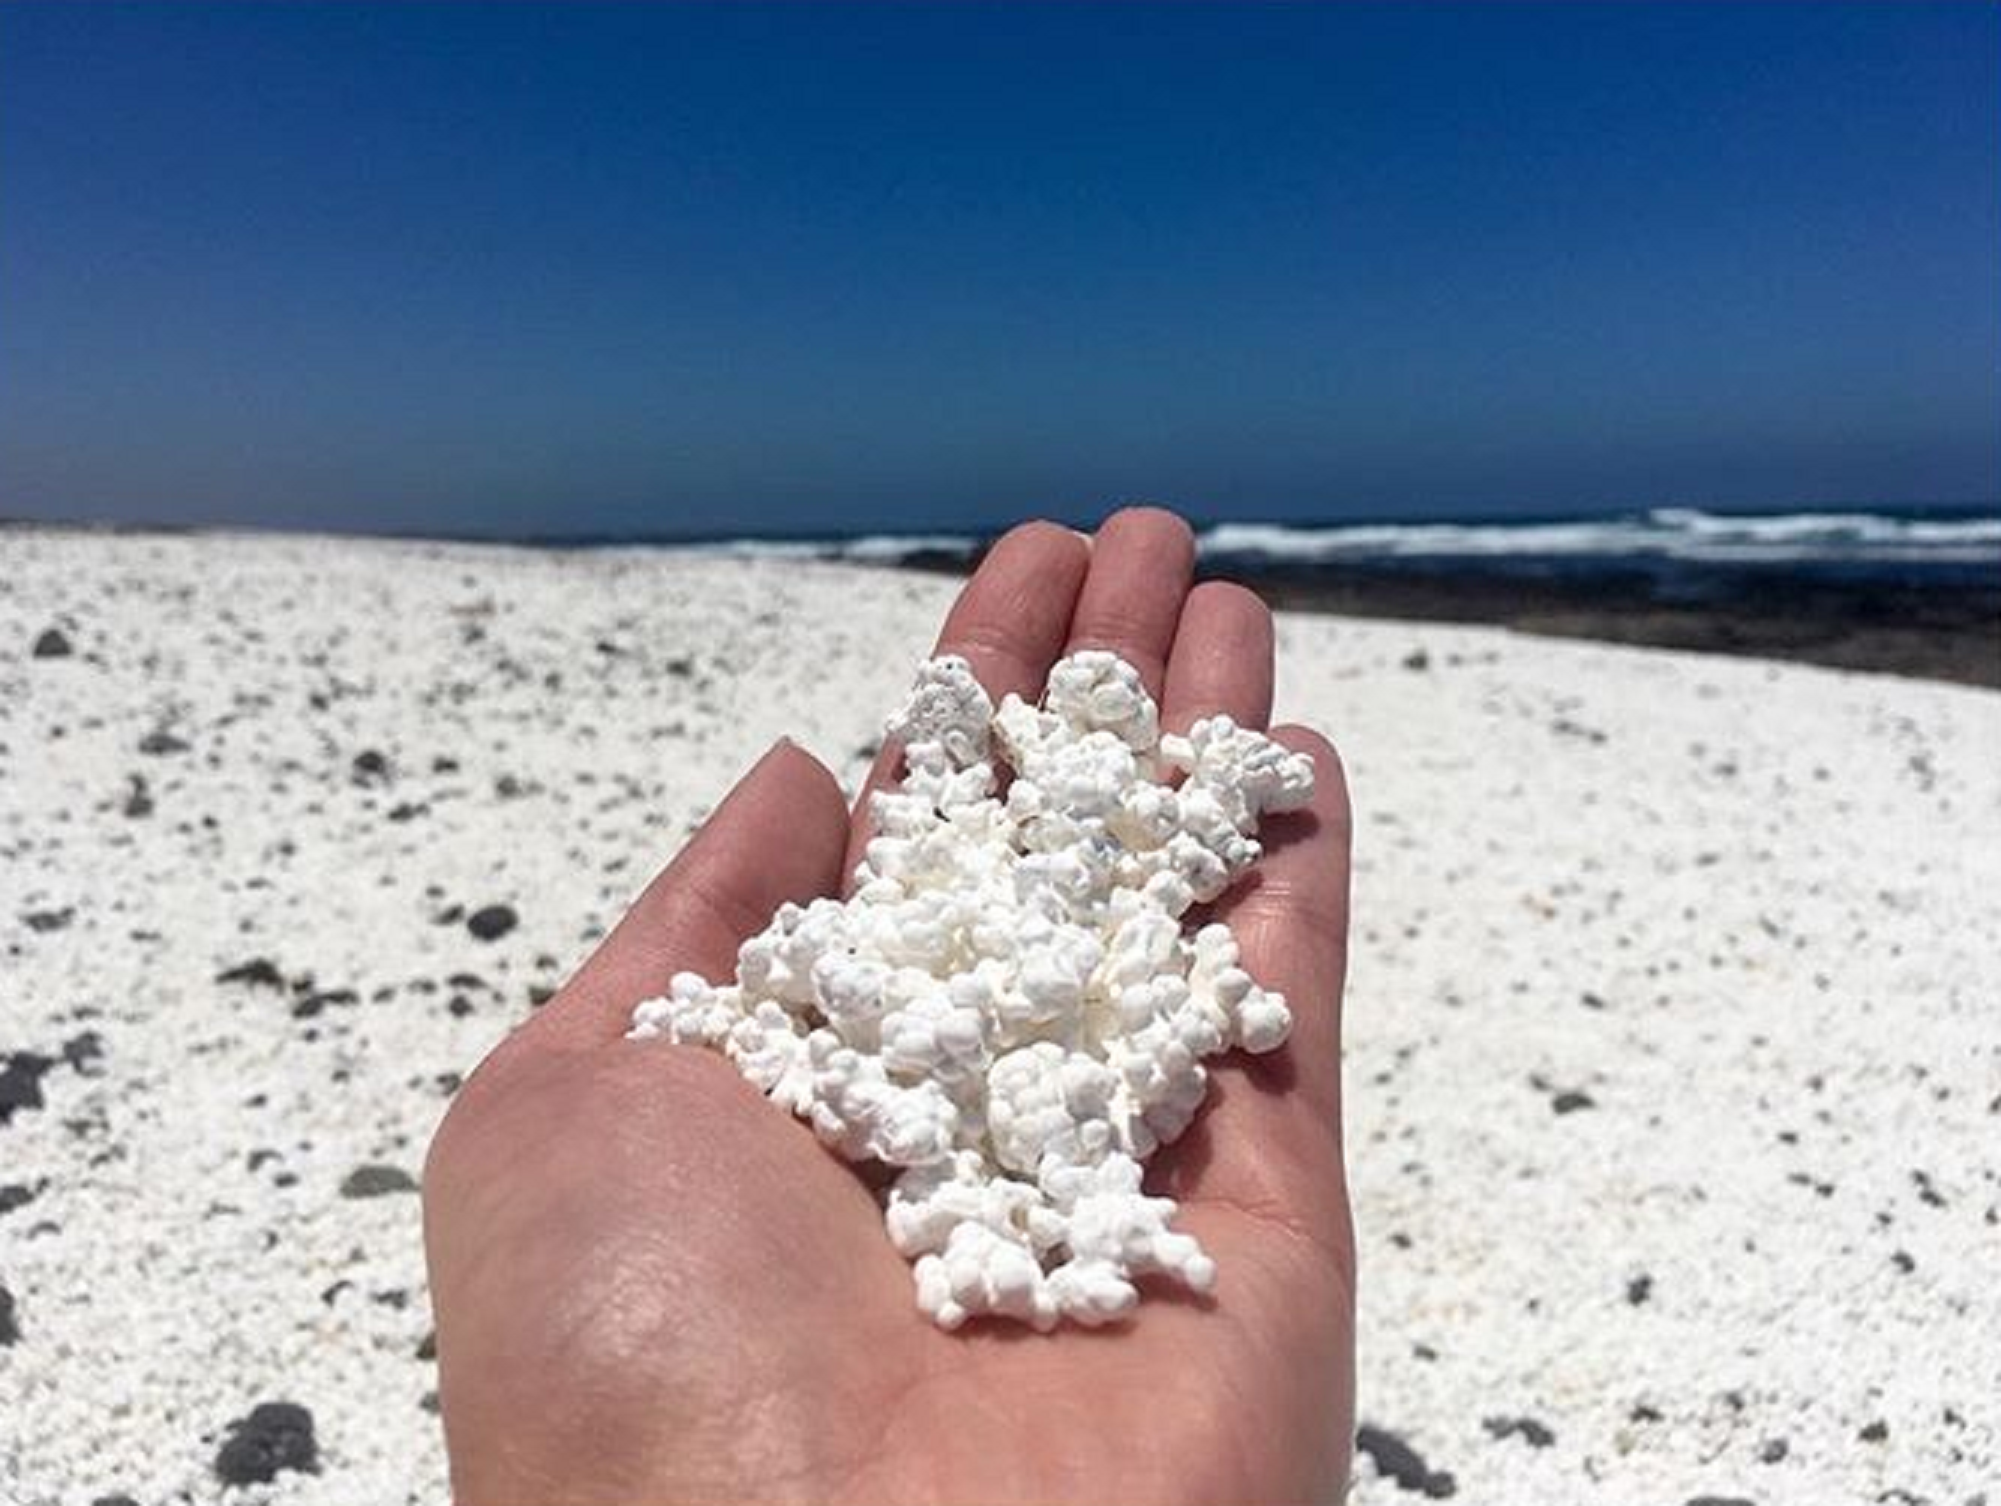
column 1676, row 552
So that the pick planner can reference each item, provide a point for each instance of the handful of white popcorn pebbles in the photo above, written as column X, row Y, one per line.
column 1007, row 1007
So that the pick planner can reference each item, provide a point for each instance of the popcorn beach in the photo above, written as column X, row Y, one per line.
column 1008, row 1006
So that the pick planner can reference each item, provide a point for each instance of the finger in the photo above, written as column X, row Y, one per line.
column 1141, row 563
column 778, row 836
column 1009, row 624
column 1269, row 1142
column 1290, row 916
column 1222, row 659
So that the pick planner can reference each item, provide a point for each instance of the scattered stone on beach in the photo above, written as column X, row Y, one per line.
column 15, row 1195
column 491, row 922
column 21, row 1082
column 52, row 643
column 308, row 1005
column 258, row 972
column 1398, row 1461
column 277, row 1435
column 49, row 920
column 376, row 1180
column 1534, row 1434
column 10, row 1330
column 160, row 743
column 1720, row 1501
column 83, row 1052
column 370, row 766
column 138, row 799
column 1571, row 1100
column 1639, row 1288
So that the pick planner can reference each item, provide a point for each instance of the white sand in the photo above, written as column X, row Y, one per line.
column 1750, row 910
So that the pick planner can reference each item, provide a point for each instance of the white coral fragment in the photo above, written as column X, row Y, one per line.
column 1008, row 1007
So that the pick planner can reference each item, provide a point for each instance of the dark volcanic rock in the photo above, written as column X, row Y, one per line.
column 258, row 972
column 1570, row 1101
column 10, row 1331
column 371, row 766
column 276, row 1435
column 52, row 644
column 49, row 920
column 1403, row 1464
column 160, row 742
column 492, row 922
column 83, row 1052
column 15, row 1195
column 1639, row 1288
column 1721, row 1501
column 376, row 1180
column 1531, row 1432
column 305, row 1007
column 21, row 1082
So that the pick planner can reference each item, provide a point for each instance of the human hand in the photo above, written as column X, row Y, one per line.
column 652, row 1286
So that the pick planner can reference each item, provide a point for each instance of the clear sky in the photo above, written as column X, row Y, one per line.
column 516, row 269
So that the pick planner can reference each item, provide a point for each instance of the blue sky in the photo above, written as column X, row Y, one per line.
column 514, row 269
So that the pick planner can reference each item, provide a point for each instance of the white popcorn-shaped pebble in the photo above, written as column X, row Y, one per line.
column 1007, row 1007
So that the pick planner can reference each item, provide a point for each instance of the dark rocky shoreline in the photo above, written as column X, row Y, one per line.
column 1939, row 632
column 1926, row 631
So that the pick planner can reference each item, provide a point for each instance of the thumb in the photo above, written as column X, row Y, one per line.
column 780, row 835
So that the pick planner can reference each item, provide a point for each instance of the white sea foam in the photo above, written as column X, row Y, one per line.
column 1668, row 532
column 1664, row 533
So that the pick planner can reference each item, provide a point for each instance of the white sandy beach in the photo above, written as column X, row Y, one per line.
column 1674, row 1024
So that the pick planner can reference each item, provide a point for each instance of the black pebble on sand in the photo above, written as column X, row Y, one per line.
column 49, row 920
column 1639, row 1288
column 1721, row 1501
column 10, row 1331
column 112, row 1501
column 258, row 972
column 1531, row 1432
column 83, row 1052
column 1571, row 1101
column 376, row 1181
column 21, row 1082
column 491, row 922
column 309, row 1005
column 276, row 1435
column 1403, row 1464
column 53, row 644
column 139, row 802
column 15, row 1195
column 159, row 743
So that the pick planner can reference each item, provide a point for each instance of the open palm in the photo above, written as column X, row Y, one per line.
column 651, row 1286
